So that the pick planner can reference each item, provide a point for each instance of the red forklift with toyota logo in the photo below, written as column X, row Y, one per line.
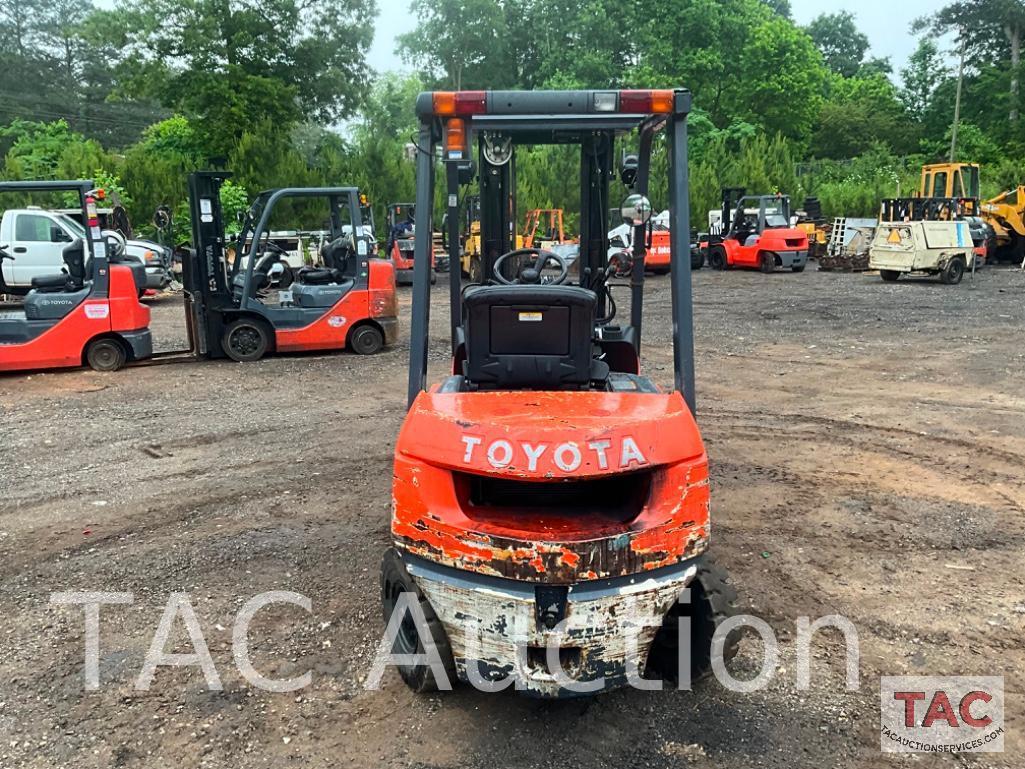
column 344, row 301
column 756, row 231
column 401, row 218
column 550, row 500
column 88, row 314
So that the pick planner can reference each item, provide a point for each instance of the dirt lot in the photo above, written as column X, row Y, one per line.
column 867, row 443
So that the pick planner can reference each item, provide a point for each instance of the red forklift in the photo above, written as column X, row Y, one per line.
column 399, row 244
column 346, row 301
column 755, row 231
column 90, row 313
column 547, row 494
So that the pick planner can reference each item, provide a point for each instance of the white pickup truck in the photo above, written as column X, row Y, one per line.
column 36, row 238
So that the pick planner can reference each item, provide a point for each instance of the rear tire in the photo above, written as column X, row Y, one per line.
column 767, row 263
column 712, row 602
column 889, row 275
column 245, row 340
column 394, row 581
column 106, row 355
column 697, row 259
column 717, row 258
column 953, row 272
column 366, row 340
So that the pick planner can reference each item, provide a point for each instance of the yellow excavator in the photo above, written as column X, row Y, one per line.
column 1005, row 213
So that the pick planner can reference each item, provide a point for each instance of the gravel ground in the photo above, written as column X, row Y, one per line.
column 867, row 444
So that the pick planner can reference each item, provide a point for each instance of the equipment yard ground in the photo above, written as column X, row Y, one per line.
column 867, row 452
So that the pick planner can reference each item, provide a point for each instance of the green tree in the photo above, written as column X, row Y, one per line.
column 458, row 44
column 233, row 65
column 990, row 31
column 842, row 44
column 51, row 151
column 925, row 72
column 859, row 113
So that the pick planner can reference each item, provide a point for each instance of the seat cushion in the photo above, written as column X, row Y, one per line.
column 314, row 276
column 48, row 283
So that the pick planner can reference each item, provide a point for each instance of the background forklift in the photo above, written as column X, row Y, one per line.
column 399, row 243
column 347, row 302
column 536, row 483
column 755, row 231
column 89, row 314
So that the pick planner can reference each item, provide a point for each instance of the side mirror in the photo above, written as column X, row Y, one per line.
column 240, row 217
column 636, row 210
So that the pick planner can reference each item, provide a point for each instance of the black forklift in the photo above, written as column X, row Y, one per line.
column 343, row 300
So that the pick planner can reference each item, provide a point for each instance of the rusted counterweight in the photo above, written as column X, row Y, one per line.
column 551, row 488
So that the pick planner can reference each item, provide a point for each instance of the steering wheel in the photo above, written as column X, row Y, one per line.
column 531, row 273
column 116, row 241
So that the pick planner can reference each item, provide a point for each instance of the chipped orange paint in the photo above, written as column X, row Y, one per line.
column 432, row 519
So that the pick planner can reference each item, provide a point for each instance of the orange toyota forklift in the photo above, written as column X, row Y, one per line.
column 347, row 301
column 88, row 314
column 546, row 492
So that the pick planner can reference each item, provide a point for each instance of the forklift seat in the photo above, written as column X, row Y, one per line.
column 72, row 279
column 530, row 337
column 317, row 276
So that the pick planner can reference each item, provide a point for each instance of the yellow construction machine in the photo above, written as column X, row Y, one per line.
column 1005, row 213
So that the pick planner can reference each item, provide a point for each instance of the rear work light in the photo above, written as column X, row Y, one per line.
column 646, row 101
column 451, row 103
column 455, row 139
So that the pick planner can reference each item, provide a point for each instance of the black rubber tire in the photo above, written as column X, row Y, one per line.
column 366, row 340
column 287, row 277
column 395, row 580
column 106, row 355
column 953, row 272
column 697, row 259
column 798, row 268
column 434, row 276
column 767, row 262
column 712, row 602
column 245, row 340
column 889, row 275
column 717, row 258
column 476, row 270
column 661, row 271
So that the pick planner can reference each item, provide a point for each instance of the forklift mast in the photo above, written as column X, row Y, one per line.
column 204, row 272
column 731, row 197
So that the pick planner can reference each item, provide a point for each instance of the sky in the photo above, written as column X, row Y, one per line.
column 886, row 22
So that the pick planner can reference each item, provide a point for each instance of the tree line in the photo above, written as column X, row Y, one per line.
column 280, row 92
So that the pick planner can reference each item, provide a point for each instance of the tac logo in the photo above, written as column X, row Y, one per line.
column 569, row 456
column 942, row 714
column 336, row 321
column 97, row 311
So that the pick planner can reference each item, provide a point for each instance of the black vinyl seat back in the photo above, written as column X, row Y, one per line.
column 74, row 259
column 335, row 256
column 73, row 277
column 530, row 337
